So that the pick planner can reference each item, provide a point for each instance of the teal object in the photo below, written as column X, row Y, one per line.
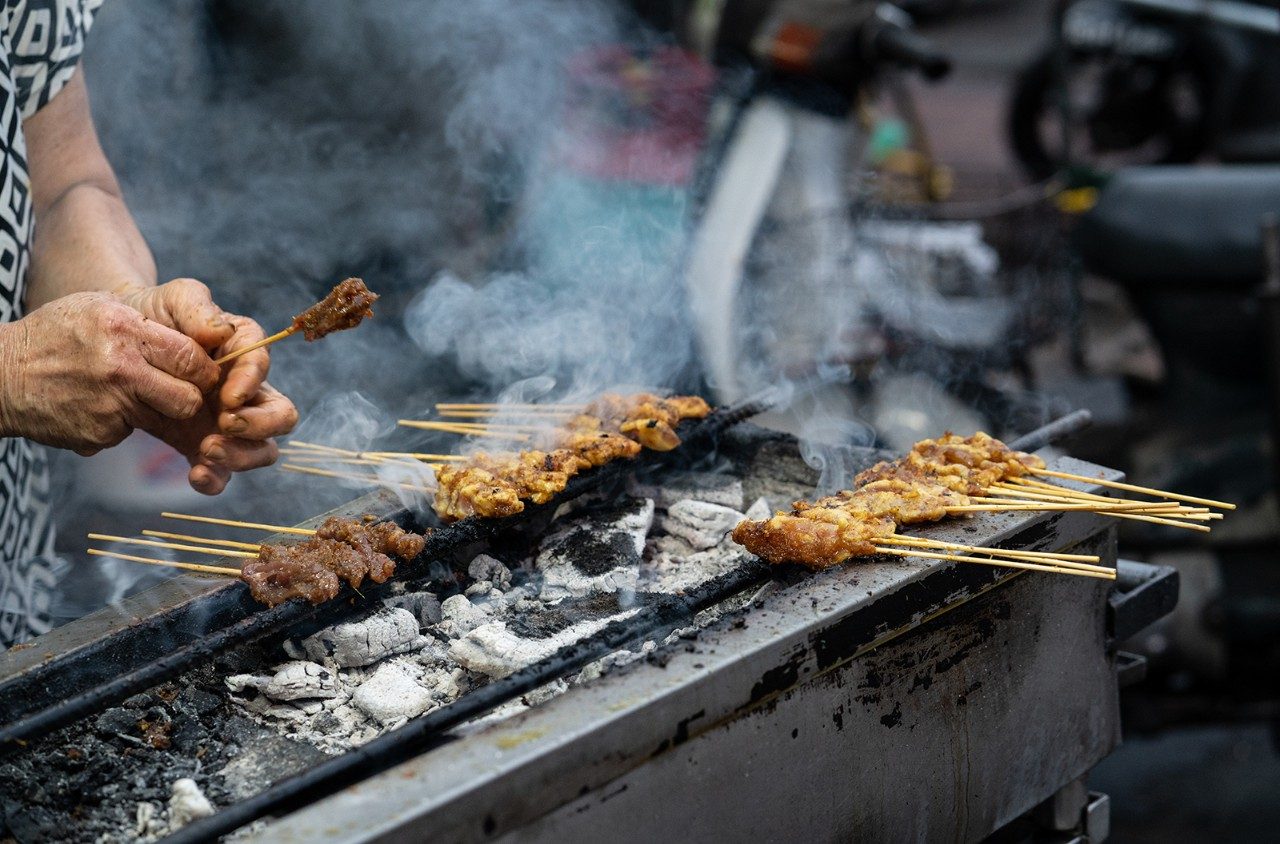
column 889, row 135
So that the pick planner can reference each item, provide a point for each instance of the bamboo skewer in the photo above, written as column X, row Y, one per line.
column 266, row 341
column 186, row 537
column 1066, row 492
column 456, row 428
column 210, row 520
column 152, row 561
column 1199, row 514
column 172, row 546
column 355, row 476
column 481, row 405
column 501, row 412
column 1044, row 558
column 1146, row 490
column 1012, row 564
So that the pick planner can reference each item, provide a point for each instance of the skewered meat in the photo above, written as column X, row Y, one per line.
column 612, row 427
column 342, row 549
column 923, row 486
column 818, row 537
column 345, row 307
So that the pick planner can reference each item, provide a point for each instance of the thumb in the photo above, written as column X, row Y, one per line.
column 191, row 310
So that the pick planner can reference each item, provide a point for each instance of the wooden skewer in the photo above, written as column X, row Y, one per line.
column 301, row 457
column 1007, row 504
column 1032, row 556
column 187, row 537
column 420, row 455
column 1146, row 490
column 499, row 411
column 1011, row 564
column 995, row 494
column 1104, row 511
column 152, row 561
column 1065, row 492
column 450, row 428
column 210, row 520
column 266, row 341
column 372, row 480
column 328, row 449
column 481, row 405
column 172, row 546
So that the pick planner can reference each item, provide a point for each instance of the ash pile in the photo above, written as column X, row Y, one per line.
column 599, row 560
column 263, row 712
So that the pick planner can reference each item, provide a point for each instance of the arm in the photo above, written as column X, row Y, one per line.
column 87, row 245
column 86, row 240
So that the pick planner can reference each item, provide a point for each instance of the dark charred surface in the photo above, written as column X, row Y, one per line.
column 87, row 780
column 544, row 623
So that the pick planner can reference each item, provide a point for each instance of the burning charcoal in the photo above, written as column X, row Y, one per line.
column 699, row 523
column 187, row 804
column 678, row 573
column 461, row 616
column 117, row 721
column 198, row 700
column 487, row 568
column 425, row 606
column 494, row 650
column 589, row 555
column 147, row 821
column 699, row 486
column 759, row 511
column 298, row 680
column 364, row 642
column 391, row 695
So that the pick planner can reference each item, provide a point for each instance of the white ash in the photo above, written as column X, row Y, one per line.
column 710, row 487
column 392, row 695
column 296, row 680
column 425, row 606
column 496, row 651
column 350, row 683
column 187, row 803
column 364, row 642
column 486, row 568
column 759, row 511
column 701, row 524
column 586, row 555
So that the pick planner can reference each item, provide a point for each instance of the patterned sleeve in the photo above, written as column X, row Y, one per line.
column 45, row 39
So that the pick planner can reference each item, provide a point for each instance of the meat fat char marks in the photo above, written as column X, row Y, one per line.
column 907, row 502
column 966, row 465
column 346, row 306
column 817, row 538
column 342, row 549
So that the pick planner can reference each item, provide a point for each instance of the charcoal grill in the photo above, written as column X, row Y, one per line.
column 883, row 701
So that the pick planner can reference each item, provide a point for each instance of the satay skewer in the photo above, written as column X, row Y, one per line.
column 171, row 546
column 211, row 520
column 1065, row 492
column 451, row 428
column 152, row 561
column 1044, row 557
column 500, row 412
column 345, row 306
column 502, row 405
column 1170, row 509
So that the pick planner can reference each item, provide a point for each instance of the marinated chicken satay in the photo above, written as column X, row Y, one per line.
column 345, row 307
column 652, row 433
column 599, row 447
column 817, row 539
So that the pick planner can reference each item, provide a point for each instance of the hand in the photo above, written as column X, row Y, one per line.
column 83, row 371
column 233, row 431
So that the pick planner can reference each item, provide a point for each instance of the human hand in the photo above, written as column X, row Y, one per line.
column 233, row 431
column 83, row 371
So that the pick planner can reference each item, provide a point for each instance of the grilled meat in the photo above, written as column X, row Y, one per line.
column 345, row 307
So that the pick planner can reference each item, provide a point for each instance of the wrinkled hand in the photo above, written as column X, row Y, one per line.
column 83, row 371
column 232, row 430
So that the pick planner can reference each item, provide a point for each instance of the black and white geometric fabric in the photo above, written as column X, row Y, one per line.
column 40, row 44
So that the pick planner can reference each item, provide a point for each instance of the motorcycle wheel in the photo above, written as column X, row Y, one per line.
column 1035, row 118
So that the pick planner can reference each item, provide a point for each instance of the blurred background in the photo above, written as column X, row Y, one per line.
column 967, row 214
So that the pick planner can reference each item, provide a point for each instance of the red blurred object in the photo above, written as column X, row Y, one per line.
column 635, row 117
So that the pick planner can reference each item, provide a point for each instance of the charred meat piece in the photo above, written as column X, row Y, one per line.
column 345, row 307
column 281, row 573
column 342, row 549
column 816, row 538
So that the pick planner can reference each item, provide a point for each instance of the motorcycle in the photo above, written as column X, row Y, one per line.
column 1131, row 82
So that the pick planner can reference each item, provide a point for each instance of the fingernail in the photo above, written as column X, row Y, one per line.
column 215, row 453
column 237, row 424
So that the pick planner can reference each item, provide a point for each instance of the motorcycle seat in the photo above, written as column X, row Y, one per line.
column 1181, row 226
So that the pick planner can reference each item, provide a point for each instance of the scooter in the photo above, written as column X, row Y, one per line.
column 1132, row 82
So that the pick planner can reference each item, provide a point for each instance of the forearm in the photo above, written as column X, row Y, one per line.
column 86, row 240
